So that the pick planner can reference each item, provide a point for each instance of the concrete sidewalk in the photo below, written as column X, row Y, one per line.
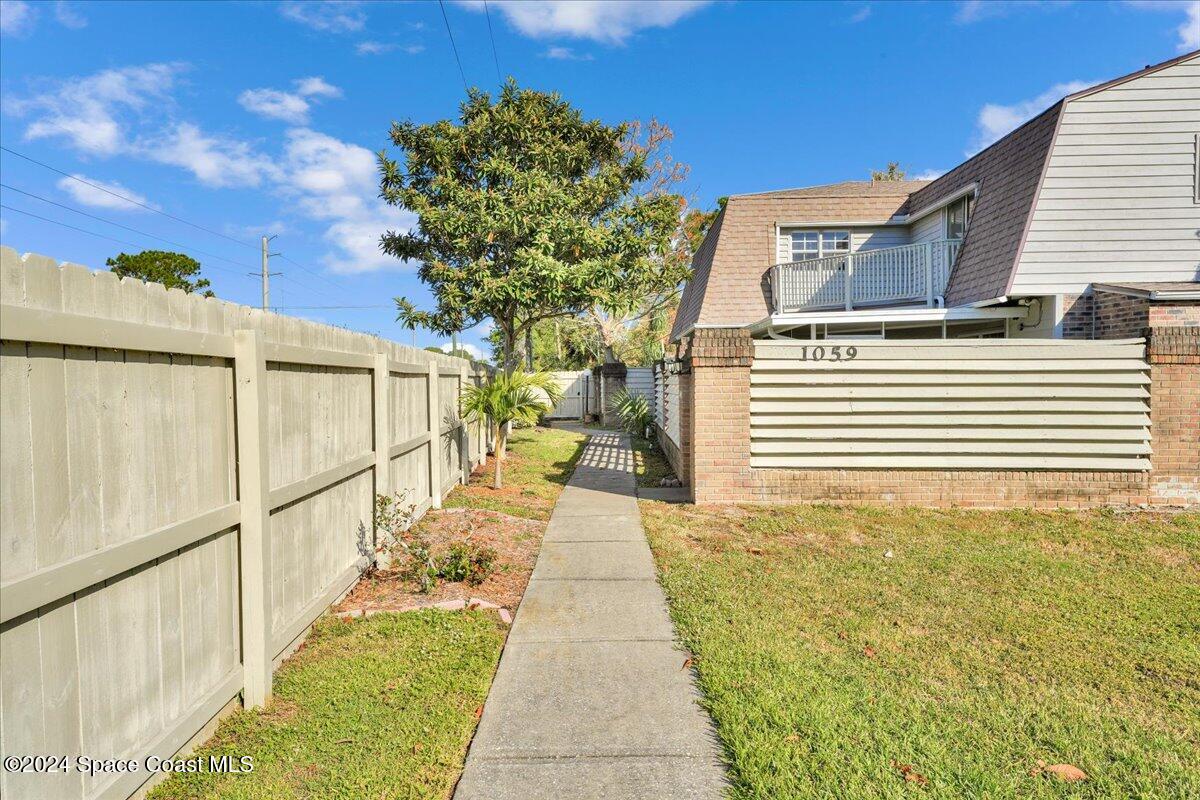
column 591, row 699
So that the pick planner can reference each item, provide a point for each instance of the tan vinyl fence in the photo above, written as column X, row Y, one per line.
column 1018, row 404
column 665, row 379
column 187, row 485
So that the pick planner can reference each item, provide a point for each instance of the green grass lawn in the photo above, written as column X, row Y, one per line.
column 380, row 708
column 650, row 465
column 985, row 643
column 539, row 464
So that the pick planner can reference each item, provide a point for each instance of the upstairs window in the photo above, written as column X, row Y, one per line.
column 958, row 215
column 835, row 242
column 805, row 245
column 815, row 244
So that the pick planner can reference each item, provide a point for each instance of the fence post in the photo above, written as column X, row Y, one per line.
column 849, row 281
column 254, row 545
column 464, row 436
column 381, row 377
column 929, row 274
column 435, row 440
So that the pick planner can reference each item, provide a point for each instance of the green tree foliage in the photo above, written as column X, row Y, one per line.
column 525, row 213
column 457, row 352
column 562, row 343
column 892, row 173
column 509, row 397
column 173, row 270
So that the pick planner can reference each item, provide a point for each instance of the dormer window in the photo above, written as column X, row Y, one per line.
column 816, row 244
column 958, row 215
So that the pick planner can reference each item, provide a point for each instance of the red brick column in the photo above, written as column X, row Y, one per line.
column 1174, row 356
column 719, row 428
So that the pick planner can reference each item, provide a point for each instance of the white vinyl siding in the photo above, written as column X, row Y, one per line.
column 930, row 227
column 867, row 238
column 958, row 404
column 1118, row 202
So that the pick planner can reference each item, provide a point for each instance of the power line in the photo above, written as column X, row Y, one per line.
column 131, row 230
column 453, row 46
column 160, row 212
column 315, row 274
column 350, row 308
column 72, row 227
column 495, row 55
column 196, row 250
column 126, row 199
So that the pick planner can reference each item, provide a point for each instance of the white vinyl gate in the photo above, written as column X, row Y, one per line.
column 575, row 392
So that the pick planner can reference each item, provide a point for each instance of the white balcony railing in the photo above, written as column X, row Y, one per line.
column 912, row 273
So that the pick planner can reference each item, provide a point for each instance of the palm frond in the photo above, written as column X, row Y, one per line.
column 519, row 397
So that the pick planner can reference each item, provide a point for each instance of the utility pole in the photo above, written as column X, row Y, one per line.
column 266, row 273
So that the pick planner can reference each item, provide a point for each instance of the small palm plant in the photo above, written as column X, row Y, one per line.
column 519, row 397
column 634, row 411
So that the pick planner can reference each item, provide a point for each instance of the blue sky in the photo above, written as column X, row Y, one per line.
column 244, row 118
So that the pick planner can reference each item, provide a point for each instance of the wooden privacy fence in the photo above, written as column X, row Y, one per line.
column 950, row 404
column 187, row 485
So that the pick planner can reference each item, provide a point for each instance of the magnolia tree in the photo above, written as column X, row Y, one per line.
column 525, row 212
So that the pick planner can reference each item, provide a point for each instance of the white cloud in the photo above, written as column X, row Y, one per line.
column 68, row 17
column 413, row 49
column 337, row 183
column 87, row 111
column 90, row 195
column 565, row 54
column 274, row 104
column 373, row 48
column 996, row 120
column 474, row 350
column 288, row 106
column 1188, row 30
column 328, row 16
column 608, row 21
column 929, row 175
column 272, row 228
column 17, row 17
column 215, row 161
column 861, row 15
column 972, row 11
column 316, row 86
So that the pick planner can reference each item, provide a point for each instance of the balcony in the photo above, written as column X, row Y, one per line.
column 912, row 273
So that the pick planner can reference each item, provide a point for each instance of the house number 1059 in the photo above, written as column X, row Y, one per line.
column 833, row 353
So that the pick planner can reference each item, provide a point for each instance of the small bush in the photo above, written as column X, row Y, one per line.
column 468, row 563
column 634, row 411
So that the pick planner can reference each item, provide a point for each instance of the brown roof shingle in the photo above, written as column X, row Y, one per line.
column 1008, row 175
column 729, row 282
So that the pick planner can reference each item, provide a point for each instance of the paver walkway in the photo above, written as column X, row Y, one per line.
column 591, row 699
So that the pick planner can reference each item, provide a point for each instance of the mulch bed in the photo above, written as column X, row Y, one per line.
column 515, row 540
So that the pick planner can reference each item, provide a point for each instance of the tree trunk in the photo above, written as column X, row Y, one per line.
column 497, row 447
column 610, row 355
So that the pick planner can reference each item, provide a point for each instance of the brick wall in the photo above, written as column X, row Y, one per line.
column 1077, row 316
column 719, row 428
column 1174, row 356
column 718, row 437
column 1175, row 314
column 1116, row 315
column 1120, row 316
column 608, row 380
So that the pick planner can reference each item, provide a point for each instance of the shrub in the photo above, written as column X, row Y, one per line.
column 634, row 411
column 468, row 563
